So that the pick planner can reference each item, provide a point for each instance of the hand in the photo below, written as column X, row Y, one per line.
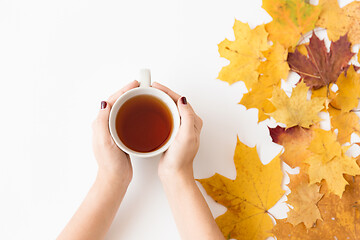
column 112, row 161
column 178, row 159
column 192, row 215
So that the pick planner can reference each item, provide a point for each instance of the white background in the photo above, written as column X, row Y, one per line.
column 59, row 59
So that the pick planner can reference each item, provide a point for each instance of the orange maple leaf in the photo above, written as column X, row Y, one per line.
column 291, row 20
column 341, row 217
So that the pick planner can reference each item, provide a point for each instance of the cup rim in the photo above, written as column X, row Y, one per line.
column 175, row 115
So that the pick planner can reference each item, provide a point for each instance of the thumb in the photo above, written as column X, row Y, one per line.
column 101, row 124
column 187, row 114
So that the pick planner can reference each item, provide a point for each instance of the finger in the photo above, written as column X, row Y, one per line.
column 197, row 120
column 116, row 95
column 198, row 123
column 166, row 90
column 101, row 123
column 187, row 114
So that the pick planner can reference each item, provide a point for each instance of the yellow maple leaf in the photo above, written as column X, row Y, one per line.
column 349, row 90
column 333, row 18
column 321, row 92
column 272, row 70
column 352, row 11
column 291, row 19
column 339, row 21
column 304, row 199
column 325, row 92
column 244, row 53
column 296, row 110
column 302, row 48
column 258, row 98
column 275, row 67
column 325, row 146
column 248, row 198
column 329, row 162
column 346, row 123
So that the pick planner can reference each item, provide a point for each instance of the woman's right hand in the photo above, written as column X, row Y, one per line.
column 178, row 159
column 112, row 161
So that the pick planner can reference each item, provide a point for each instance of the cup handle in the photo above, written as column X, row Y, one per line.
column 145, row 78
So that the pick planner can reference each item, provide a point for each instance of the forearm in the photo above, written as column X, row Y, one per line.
column 191, row 212
column 96, row 213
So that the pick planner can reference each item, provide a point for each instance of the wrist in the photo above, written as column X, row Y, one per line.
column 175, row 175
column 178, row 183
column 113, row 178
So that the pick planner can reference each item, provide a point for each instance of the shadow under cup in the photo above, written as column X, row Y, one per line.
column 144, row 121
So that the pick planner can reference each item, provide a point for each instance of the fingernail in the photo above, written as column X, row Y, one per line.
column 103, row 104
column 183, row 100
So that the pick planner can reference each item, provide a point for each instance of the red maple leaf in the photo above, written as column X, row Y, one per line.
column 320, row 67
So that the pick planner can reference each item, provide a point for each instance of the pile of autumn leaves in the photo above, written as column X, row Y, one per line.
column 325, row 195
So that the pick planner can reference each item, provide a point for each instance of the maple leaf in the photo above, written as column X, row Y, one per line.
column 333, row 18
column 304, row 199
column 272, row 71
column 346, row 123
column 258, row 98
column 349, row 90
column 325, row 146
column 352, row 11
column 244, row 53
column 275, row 67
column 339, row 21
column 341, row 217
column 302, row 48
column 248, row 198
column 329, row 162
column 295, row 141
column 320, row 68
column 291, row 19
column 325, row 92
column 296, row 110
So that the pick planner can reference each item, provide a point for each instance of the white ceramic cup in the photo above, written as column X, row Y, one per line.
column 144, row 89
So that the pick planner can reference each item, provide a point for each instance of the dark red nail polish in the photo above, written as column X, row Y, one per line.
column 103, row 104
column 183, row 100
